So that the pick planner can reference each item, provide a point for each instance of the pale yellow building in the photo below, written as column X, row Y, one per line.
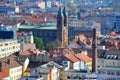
column 8, row 47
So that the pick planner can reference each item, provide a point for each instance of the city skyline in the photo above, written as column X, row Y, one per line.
column 59, row 40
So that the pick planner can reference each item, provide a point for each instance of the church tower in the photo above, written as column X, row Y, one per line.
column 60, row 19
column 65, row 14
column 65, row 32
column 62, row 27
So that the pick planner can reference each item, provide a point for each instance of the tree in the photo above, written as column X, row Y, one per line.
column 73, row 9
column 39, row 43
column 53, row 44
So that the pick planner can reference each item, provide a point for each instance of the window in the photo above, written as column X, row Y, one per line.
column 117, row 73
column 114, row 63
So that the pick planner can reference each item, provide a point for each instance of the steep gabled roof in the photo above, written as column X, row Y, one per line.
column 84, row 57
column 71, row 57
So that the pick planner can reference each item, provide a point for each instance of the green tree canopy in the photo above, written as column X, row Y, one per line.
column 39, row 43
column 73, row 9
column 53, row 44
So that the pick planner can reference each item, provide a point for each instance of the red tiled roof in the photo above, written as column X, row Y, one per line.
column 75, row 44
column 2, row 75
column 118, row 45
column 18, row 33
column 84, row 57
column 71, row 57
column 35, row 51
column 82, row 38
column 28, row 52
column 25, row 52
column 111, row 39
column 13, row 62
column 88, row 41
column 112, row 34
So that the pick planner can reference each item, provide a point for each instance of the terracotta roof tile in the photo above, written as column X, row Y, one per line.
column 82, row 38
column 112, row 34
column 75, row 44
column 25, row 52
column 84, row 57
column 88, row 41
column 118, row 45
column 12, row 62
column 71, row 57
column 18, row 33
column 30, row 52
column 2, row 75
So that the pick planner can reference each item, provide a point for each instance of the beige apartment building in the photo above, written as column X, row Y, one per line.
column 8, row 47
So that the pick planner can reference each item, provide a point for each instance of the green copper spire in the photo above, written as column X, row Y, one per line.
column 65, row 12
column 60, row 13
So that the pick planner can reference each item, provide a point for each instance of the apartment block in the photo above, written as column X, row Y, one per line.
column 8, row 47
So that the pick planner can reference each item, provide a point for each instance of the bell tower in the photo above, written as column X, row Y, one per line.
column 65, row 30
column 62, row 26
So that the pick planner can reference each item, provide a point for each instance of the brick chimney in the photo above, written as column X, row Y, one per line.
column 94, row 52
column 8, row 61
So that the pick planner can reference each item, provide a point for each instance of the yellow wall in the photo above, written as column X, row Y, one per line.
column 26, row 74
column 62, row 74
column 89, row 64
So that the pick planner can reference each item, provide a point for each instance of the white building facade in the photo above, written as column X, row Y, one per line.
column 8, row 47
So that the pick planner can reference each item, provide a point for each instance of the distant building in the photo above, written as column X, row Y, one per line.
column 107, row 73
column 8, row 47
column 8, row 9
column 79, row 75
column 117, row 22
column 51, row 32
column 8, row 31
column 86, row 30
column 106, row 59
column 78, row 61
column 25, row 37
column 48, row 71
column 109, row 65
column 41, row 4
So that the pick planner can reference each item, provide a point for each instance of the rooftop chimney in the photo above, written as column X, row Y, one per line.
column 94, row 52
column 8, row 61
